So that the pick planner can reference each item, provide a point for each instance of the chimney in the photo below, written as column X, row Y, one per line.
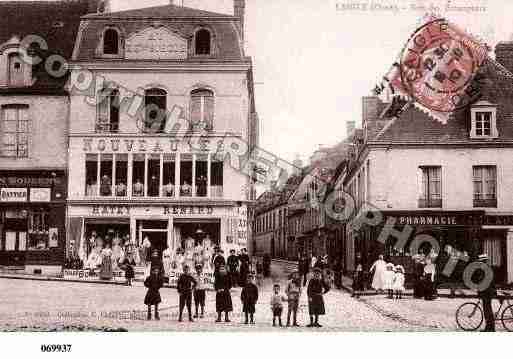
column 98, row 6
column 350, row 126
column 239, row 8
column 504, row 54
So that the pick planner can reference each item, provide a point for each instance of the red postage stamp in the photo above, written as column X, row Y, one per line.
column 437, row 66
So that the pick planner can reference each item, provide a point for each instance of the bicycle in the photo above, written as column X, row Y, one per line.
column 470, row 316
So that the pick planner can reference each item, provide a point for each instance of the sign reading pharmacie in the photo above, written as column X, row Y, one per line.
column 449, row 218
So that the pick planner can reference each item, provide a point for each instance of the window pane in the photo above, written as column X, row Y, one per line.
column 121, row 174
column 195, row 111
column 201, row 175
column 153, row 179
column 169, row 175
column 110, row 42
column 91, row 175
column 138, row 175
column 106, row 175
column 186, row 175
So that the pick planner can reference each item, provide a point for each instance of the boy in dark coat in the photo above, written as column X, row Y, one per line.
column 154, row 282
column 316, row 289
column 233, row 266
column 249, row 297
column 222, row 285
column 244, row 267
column 186, row 284
column 128, row 265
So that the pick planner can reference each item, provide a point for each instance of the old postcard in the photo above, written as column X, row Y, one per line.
column 256, row 166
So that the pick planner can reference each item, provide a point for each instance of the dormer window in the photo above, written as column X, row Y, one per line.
column 16, row 76
column 484, row 120
column 110, row 43
column 202, row 42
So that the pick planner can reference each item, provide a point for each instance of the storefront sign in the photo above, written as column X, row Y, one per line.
column 188, row 210
column 141, row 145
column 28, row 181
column 86, row 274
column 498, row 220
column 40, row 194
column 208, row 279
column 438, row 219
column 13, row 194
column 110, row 211
column 155, row 43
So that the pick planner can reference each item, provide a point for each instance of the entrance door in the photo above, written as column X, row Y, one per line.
column 158, row 239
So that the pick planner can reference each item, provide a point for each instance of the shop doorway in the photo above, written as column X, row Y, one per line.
column 155, row 231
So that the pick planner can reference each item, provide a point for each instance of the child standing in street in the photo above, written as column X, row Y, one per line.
column 317, row 287
column 293, row 294
column 358, row 281
column 276, row 304
column 398, row 282
column 249, row 298
column 199, row 291
column 388, row 280
column 154, row 282
column 185, row 286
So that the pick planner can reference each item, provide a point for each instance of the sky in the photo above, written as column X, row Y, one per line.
column 315, row 59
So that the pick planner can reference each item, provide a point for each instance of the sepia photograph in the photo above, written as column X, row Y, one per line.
column 255, row 166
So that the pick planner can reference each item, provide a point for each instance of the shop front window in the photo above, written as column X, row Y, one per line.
column 121, row 175
column 186, row 175
column 201, row 175
column 216, row 179
column 138, row 170
column 168, row 175
column 106, row 175
column 153, row 175
column 91, row 164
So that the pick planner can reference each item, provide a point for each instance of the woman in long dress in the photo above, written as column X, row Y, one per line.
column 106, row 269
column 379, row 268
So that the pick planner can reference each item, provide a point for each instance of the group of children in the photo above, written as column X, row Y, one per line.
column 392, row 279
column 193, row 286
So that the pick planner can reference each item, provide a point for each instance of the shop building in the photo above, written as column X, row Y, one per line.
column 450, row 181
column 172, row 89
column 33, row 129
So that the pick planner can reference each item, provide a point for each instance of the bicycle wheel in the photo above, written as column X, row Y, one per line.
column 469, row 316
column 507, row 318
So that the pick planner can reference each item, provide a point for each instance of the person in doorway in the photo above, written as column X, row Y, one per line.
column 429, row 280
column 169, row 189
column 233, row 266
column 218, row 260
column 267, row 265
column 121, row 189
column 128, row 265
column 222, row 285
column 106, row 269
column 303, row 267
column 388, row 280
column 315, row 291
column 249, row 298
column 486, row 293
column 154, row 282
column 105, row 186
column 138, row 188
column 293, row 292
column 186, row 189
column 186, row 284
column 244, row 266
column 378, row 268
column 199, row 291
column 358, row 281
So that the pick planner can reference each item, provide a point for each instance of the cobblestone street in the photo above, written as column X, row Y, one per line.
column 39, row 305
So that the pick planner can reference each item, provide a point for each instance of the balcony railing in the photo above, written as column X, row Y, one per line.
column 166, row 191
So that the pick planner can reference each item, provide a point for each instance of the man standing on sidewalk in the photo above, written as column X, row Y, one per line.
column 487, row 294
column 304, row 267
